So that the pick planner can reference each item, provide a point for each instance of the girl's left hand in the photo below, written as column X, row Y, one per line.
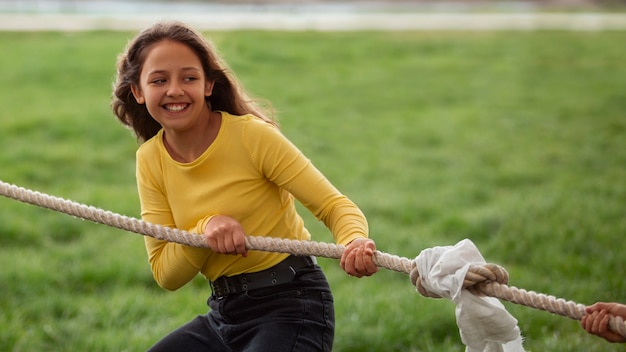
column 358, row 258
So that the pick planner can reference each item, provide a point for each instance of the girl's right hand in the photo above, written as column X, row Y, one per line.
column 225, row 235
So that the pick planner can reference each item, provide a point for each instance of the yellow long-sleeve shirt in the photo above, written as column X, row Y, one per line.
column 251, row 173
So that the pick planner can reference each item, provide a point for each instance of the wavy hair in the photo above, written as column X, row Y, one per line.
column 228, row 93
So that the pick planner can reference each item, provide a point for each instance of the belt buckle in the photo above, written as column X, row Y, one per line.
column 217, row 292
column 221, row 289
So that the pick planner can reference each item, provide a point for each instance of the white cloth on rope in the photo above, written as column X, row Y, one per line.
column 484, row 323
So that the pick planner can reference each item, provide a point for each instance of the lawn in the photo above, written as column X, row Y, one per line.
column 516, row 140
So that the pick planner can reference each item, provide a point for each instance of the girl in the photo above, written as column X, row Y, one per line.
column 213, row 163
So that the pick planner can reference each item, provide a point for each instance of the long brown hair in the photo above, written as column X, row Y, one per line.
column 228, row 94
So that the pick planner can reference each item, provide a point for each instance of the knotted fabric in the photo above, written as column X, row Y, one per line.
column 484, row 323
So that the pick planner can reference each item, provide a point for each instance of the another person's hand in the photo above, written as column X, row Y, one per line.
column 225, row 235
column 596, row 320
column 358, row 258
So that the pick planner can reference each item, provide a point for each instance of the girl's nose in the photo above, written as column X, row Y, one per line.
column 174, row 90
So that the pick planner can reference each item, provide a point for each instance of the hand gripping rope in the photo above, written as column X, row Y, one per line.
column 488, row 279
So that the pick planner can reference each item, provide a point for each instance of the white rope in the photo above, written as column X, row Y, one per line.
column 488, row 279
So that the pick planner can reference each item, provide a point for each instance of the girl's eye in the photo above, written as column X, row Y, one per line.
column 190, row 79
column 158, row 81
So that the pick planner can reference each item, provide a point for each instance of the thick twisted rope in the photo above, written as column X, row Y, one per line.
column 488, row 279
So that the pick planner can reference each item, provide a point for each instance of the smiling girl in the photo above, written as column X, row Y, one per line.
column 213, row 163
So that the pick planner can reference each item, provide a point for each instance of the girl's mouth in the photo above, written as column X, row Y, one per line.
column 175, row 107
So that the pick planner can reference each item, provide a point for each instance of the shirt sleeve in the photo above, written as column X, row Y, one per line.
column 285, row 165
column 172, row 264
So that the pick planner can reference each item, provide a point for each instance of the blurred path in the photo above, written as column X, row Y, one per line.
column 76, row 15
column 319, row 21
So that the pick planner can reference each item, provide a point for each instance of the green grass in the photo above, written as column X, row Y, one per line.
column 516, row 140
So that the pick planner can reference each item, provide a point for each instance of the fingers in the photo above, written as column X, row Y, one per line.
column 612, row 308
column 597, row 307
column 358, row 258
column 369, row 251
column 225, row 235
column 583, row 322
column 347, row 261
column 597, row 323
column 231, row 242
column 591, row 322
column 600, row 322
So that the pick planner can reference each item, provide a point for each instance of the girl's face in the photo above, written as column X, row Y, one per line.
column 173, row 86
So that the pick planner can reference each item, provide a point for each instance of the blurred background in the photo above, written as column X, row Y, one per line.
column 314, row 14
column 80, row 6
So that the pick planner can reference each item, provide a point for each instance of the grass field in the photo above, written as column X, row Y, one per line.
column 516, row 140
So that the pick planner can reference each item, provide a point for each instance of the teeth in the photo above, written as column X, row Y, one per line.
column 175, row 107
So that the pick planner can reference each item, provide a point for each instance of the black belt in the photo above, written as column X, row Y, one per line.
column 280, row 273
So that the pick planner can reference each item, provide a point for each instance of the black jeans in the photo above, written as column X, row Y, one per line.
column 295, row 316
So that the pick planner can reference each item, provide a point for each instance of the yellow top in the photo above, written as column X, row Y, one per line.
column 251, row 172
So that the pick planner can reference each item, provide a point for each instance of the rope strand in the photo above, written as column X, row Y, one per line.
column 489, row 279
